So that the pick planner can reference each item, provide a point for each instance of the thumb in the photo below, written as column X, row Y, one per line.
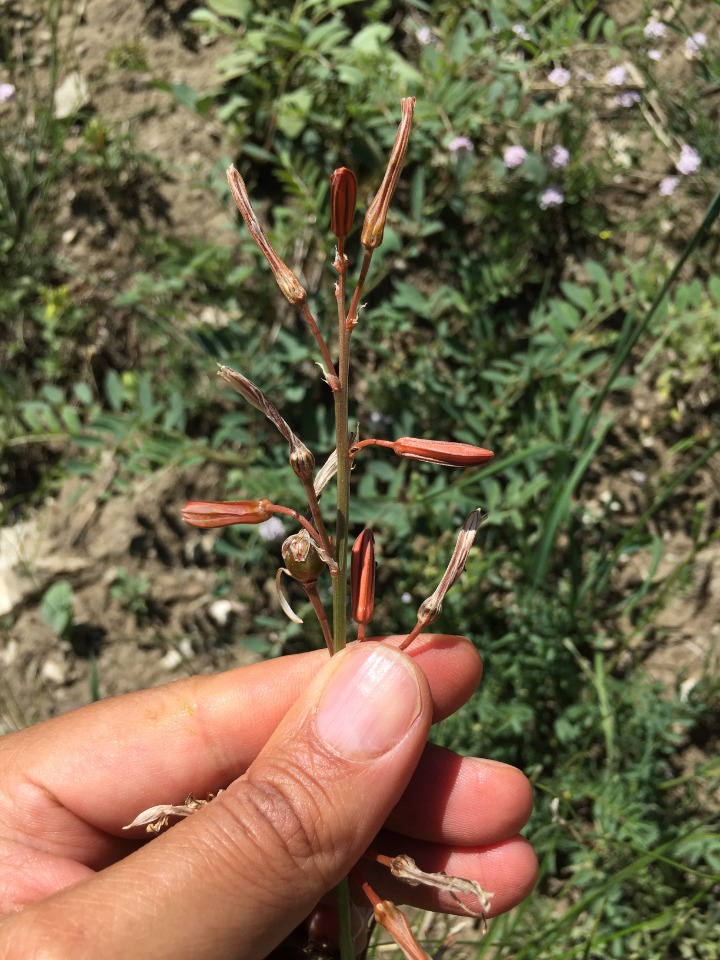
column 321, row 789
column 240, row 874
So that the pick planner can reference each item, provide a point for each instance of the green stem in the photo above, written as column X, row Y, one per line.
column 342, row 441
column 347, row 948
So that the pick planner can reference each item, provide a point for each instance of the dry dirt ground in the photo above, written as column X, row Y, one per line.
column 85, row 538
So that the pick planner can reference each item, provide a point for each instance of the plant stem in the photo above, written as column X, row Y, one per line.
column 342, row 442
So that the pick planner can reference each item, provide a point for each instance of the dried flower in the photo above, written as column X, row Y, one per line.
column 362, row 580
column 374, row 225
column 559, row 77
column 213, row 513
column 430, row 609
column 558, row 157
column 286, row 279
column 343, row 194
column 689, row 161
column 551, row 197
column 514, row 156
column 301, row 459
column 667, row 186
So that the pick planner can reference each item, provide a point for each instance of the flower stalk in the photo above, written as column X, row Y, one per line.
column 311, row 550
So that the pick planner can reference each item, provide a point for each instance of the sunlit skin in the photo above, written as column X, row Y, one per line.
column 74, row 881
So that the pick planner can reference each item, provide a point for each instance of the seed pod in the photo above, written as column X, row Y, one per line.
column 301, row 558
column 362, row 577
column 441, row 451
column 213, row 513
column 343, row 194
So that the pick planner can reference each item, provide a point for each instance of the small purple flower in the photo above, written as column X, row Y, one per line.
column 654, row 55
column 460, row 145
column 272, row 529
column 425, row 36
column 689, row 161
column 628, row 98
column 559, row 77
column 514, row 156
column 616, row 76
column 551, row 197
column 667, row 185
column 7, row 92
column 558, row 157
column 695, row 43
column 519, row 30
column 654, row 29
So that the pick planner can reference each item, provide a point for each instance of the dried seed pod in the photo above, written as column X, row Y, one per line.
column 343, row 194
column 213, row 513
column 362, row 578
column 301, row 558
column 374, row 225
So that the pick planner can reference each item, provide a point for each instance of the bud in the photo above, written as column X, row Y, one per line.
column 441, row 451
column 343, row 194
column 286, row 279
column 301, row 558
column 362, row 577
column 444, row 452
column 213, row 513
column 374, row 225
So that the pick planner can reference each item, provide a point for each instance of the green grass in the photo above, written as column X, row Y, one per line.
column 489, row 320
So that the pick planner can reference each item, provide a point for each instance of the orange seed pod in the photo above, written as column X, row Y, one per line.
column 343, row 194
column 213, row 513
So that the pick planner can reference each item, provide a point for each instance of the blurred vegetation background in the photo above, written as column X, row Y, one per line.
column 548, row 287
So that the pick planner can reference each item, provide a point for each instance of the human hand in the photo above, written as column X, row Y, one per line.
column 318, row 757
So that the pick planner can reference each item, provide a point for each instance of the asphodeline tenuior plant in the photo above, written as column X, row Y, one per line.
column 312, row 551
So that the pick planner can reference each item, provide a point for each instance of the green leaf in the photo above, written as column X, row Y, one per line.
column 114, row 391
column 56, row 607
column 83, row 393
column 372, row 39
column 293, row 110
column 237, row 9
